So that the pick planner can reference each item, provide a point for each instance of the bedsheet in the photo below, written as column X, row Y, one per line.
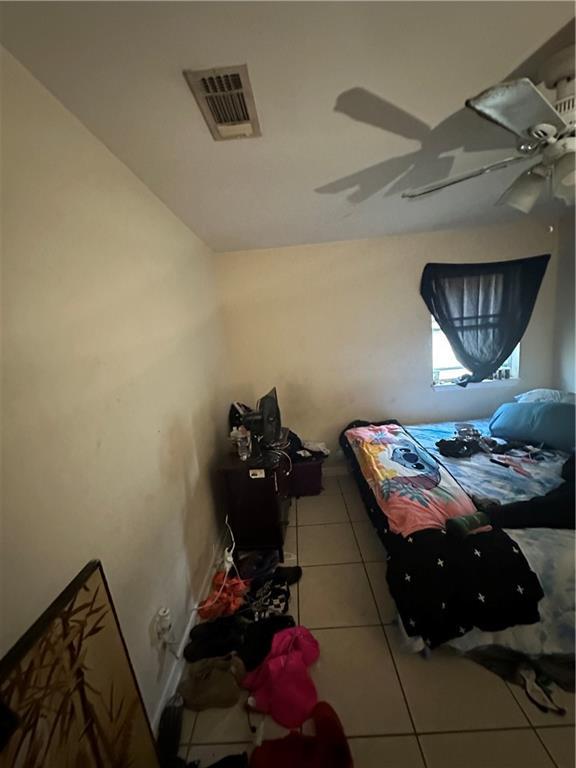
column 481, row 477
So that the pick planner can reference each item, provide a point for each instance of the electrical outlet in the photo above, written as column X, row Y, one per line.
column 228, row 559
column 163, row 624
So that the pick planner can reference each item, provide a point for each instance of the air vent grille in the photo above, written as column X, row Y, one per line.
column 226, row 101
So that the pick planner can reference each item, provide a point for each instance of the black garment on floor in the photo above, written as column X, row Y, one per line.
column 214, row 638
column 534, row 675
column 556, row 667
column 258, row 639
column 289, row 574
column 554, row 510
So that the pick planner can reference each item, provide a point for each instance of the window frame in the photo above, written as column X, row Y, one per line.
column 512, row 364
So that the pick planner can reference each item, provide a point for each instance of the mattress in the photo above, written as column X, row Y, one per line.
column 550, row 552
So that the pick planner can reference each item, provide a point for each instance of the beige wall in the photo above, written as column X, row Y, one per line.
column 565, row 373
column 112, row 359
column 110, row 393
column 342, row 332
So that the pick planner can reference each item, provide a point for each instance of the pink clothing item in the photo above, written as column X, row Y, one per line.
column 281, row 685
column 413, row 490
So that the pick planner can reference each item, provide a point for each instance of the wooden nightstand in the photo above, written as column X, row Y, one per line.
column 258, row 500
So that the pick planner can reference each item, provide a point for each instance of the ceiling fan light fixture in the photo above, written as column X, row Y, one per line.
column 523, row 193
column 564, row 177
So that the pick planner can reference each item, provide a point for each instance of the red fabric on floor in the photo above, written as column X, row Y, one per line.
column 226, row 597
column 327, row 749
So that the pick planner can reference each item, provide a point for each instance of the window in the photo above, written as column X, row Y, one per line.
column 447, row 370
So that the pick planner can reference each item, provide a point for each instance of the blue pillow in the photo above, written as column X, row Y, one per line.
column 535, row 423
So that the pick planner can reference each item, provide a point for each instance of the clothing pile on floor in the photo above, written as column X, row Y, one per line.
column 327, row 748
column 251, row 642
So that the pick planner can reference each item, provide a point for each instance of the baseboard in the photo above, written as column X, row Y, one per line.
column 178, row 661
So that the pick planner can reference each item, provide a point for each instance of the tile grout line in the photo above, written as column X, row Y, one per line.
column 329, row 522
column 494, row 729
column 382, row 629
column 352, row 626
column 541, row 740
column 297, row 560
column 533, row 727
column 392, row 735
column 530, row 724
column 191, row 742
column 327, row 565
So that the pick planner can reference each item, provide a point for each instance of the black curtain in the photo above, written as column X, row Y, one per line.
column 483, row 309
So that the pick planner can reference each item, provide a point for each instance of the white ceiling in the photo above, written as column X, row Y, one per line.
column 118, row 66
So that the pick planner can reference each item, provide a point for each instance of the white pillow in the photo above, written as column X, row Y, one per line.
column 545, row 396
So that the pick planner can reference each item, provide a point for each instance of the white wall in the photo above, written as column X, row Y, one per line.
column 111, row 406
column 565, row 371
column 342, row 332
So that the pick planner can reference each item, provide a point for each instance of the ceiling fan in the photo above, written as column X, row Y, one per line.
column 545, row 131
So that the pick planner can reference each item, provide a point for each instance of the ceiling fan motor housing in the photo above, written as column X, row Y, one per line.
column 558, row 73
column 544, row 132
column 566, row 104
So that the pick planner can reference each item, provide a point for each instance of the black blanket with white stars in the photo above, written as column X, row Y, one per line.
column 444, row 586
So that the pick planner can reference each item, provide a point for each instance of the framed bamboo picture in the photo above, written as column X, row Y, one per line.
column 68, row 694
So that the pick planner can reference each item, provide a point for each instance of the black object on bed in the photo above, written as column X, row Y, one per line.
column 444, row 586
column 553, row 510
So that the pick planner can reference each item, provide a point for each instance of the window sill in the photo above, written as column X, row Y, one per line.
column 496, row 383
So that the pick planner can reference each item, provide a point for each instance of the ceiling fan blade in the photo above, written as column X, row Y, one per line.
column 435, row 187
column 517, row 106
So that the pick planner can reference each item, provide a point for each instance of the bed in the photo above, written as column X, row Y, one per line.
column 546, row 553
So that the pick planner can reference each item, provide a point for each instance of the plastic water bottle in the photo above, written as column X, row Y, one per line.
column 243, row 444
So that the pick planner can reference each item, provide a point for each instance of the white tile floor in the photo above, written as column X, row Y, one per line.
column 398, row 710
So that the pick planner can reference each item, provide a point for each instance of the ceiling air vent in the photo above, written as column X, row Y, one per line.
column 226, row 101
